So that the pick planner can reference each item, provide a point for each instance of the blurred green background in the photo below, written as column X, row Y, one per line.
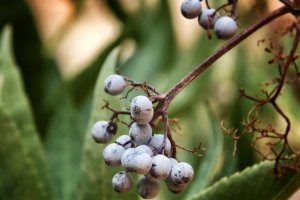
column 53, row 60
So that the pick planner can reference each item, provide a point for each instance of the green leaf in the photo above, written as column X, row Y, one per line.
column 20, row 178
column 64, row 146
column 155, row 48
column 40, row 74
column 14, row 100
column 95, row 182
column 256, row 182
column 212, row 159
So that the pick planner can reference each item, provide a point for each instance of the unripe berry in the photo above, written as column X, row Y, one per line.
column 140, row 133
column 181, row 173
column 125, row 141
column 100, row 132
column 161, row 167
column 122, row 182
column 207, row 20
column 157, row 141
column 225, row 27
column 191, row 8
column 112, row 154
column 141, row 109
column 148, row 188
column 114, row 84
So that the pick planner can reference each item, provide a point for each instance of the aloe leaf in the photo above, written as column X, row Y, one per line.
column 15, row 102
column 96, row 176
column 256, row 182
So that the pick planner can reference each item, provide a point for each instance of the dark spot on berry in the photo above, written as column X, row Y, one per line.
column 109, row 84
column 137, row 110
column 185, row 179
column 112, row 128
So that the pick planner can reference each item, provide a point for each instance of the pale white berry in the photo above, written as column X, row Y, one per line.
column 173, row 161
column 114, row 84
column 128, row 156
column 125, row 141
column 112, row 154
column 148, row 188
column 140, row 133
column 161, row 167
column 100, row 133
column 136, row 162
column 191, row 8
column 122, row 182
column 208, row 18
column 144, row 149
column 175, row 187
column 156, row 143
column 181, row 173
column 141, row 109
column 225, row 27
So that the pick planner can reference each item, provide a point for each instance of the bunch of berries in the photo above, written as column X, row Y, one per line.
column 225, row 27
column 140, row 152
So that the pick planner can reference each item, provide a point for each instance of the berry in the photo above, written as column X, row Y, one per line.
column 136, row 162
column 122, row 182
column 140, row 133
column 112, row 154
column 225, row 27
column 144, row 149
column 181, row 173
column 148, row 188
column 125, row 141
column 141, row 109
column 191, row 8
column 100, row 133
column 173, row 161
column 206, row 20
column 161, row 167
column 175, row 187
column 157, row 141
column 114, row 84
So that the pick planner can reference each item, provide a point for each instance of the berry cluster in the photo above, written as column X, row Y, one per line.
column 225, row 27
column 140, row 152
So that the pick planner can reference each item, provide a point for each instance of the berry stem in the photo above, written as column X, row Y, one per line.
column 220, row 52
